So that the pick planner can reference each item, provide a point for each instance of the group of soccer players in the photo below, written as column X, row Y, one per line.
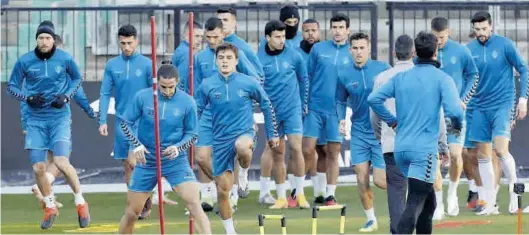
column 303, row 86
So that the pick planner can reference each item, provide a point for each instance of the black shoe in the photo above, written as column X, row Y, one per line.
column 207, row 207
column 319, row 200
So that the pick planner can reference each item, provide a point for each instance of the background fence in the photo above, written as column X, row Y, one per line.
column 90, row 35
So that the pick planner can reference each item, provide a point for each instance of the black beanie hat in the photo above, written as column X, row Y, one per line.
column 288, row 11
column 46, row 27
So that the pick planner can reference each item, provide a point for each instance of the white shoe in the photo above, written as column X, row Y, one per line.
column 267, row 199
column 489, row 210
column 452, row 208
column 234, row 198
column 513, row 203
column 439, row 213
column 243, row 189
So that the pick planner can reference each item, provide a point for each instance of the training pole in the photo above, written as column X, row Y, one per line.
column 157, row 125
column 191, row 92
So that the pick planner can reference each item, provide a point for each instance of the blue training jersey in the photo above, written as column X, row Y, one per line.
column 495, row 60
column 292, row 43
column 126, row 75
column 419, row 93
column 354, row 86
column 177, row 119
column 322, row 67
column 244, row 46
column 180, row 60
column 231, row 105
column 58, row 75
column 283, row 75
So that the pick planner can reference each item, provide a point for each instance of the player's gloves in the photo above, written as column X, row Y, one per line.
column 91, row 114
column 36, row 101
column 171, row 152
column 60, row 101
column 453, row 126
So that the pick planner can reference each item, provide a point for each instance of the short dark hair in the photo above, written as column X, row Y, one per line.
column 227, row 46
column 311, row 21
column 274, row 25
column 196, row 25
column 481, row 16
column 439, row 24
column 425, row 45
column 227, row 10
column 213, row 23
column 127, row 31
column 358, row 36
column 340, row 17
column 404, row 47
column 167, row 71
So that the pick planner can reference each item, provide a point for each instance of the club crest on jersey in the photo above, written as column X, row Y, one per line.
column 494, row 54
column 345, row 61
column 176, row 112
column 58, row 69
column 285, row 65
column 138, row 72
column 453, row 60
column 242, row 93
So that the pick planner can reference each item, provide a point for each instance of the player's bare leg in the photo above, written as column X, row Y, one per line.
column 366, row 194
column 189, row 192
column 52, row 172
column 333, row 171
column 439, row 212
column 244, row 146
column 224, row 184
column 39, row 169
column 278, row 155
column 508, row 166
column 456, row 167
column 298, row 168
column 135, row 202
column 309, row 154
column 486, row 171
column 468, row 165
column 128, row 166
column 267, row 162
column 205, row 176
column 321, row 169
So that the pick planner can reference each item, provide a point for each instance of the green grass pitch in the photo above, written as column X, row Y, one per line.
column 21, row 214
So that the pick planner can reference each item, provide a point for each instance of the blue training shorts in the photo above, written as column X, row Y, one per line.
column 365, row 148
column 488, row 124
column 324, row 127
column 176, row 172
column 46, row 134
column 291, row 123
column 224, row 152
column 418, row 165
column 205, row 130
column 122, row 144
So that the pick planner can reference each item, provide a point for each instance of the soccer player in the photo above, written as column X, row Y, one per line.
column 52, row 171
column 284, row 71
column 311, row 35
column 229, row 95
column 355, row 82
column 47, row 79
column 415, row 149
column 495, row 57
column 205, row 67
column 178, row 131
column 289, row 15
column 321, row 125
column 126, row 74
column 456, row 61
column 229, row 23
column 180, row 58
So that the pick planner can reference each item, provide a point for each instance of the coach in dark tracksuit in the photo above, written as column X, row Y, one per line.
column 396, row 181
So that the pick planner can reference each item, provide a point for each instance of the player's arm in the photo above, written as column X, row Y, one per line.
column 516, row 60
column 104, row 95
column 303, row 78
column 245, row 66
column 258, row 94
column 377, row 99
column 376, row 122
column 149, row 75
column 341, row 99
column 76, row 80
column 14, row 87
column 470, row 76
column 129, row 118
column 81, row 100
column 311, row 63
column 201, row 99
column 443, row 139
column 451, row 103
column 190, row 128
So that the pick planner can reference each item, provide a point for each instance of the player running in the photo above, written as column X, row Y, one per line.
column 284, row 71
column 457, row 62
column 229, row 95
column 356, row 78
column 205, row 66
column 289, row 15
column 495, row 57
column 321, row 131
column 178, row 131
column 415, row 149
column 126, row 74
column 47, row 79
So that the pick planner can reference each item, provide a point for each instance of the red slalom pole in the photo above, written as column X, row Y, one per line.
column 157, row 125
column 191, row 92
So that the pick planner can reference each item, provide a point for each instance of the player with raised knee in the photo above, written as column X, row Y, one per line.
column 496, row 57
column 284, row 71
column 125, row 74
column 321, row 129
column 228, row 16
column 47, row 79
column 229, row 95
column 356, row 78
column 457, row 62
column 205, row 67
column 419, row 94
column 178, row 131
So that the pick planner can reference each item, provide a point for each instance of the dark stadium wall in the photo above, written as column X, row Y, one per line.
column 92, row 151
